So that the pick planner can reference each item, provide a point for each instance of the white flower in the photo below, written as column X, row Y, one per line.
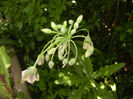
column 30, row 75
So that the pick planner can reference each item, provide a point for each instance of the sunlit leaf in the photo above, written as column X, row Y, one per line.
column 108, row 70
column 4, row 63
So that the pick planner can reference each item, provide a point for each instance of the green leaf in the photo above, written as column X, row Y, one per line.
column 69, row 79
column 4, row 64
column 107, row 70
column 76, row 94
column 103, row 93
column 88, row 64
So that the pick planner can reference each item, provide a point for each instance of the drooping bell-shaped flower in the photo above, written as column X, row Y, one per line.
column 41, row 60
column 89, row 51
column 86, row 45
column 30, row 75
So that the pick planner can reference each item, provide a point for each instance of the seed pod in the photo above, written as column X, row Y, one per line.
column 51, row 64
column 72, row 61
column 79, row 19
column 45, row 30
column 88, row 39
column 51, row 51
column 53, row 25
column 89, row 51
column 65, row 24
column 70, row 21
column 76, row 25
column 41, row 60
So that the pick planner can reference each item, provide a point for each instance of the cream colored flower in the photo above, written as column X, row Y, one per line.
column 30, row 75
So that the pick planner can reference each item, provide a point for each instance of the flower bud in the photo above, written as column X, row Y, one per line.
column 59, row 26
column 51, row 51
column 41, row 60
column 70, row 21
column 73, row 31
column 53, row 25
column 76, row 25
column 79, row 19
column 51, row 64
column 72, row 61
column 63, row 29
column 30, row 75
column 89, row 51
column 45, row 30
column 60, row 56
column 47, row 57
column 65, row 24
column 65, row 61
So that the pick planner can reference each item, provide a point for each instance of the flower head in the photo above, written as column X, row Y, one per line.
column 30, row 75
column 63, row 43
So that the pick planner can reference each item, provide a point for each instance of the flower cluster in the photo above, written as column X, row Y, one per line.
column 62, row 43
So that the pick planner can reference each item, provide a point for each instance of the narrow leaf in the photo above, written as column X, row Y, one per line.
column 107, row 70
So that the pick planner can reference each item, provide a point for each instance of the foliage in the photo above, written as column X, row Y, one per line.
column 4, row 75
